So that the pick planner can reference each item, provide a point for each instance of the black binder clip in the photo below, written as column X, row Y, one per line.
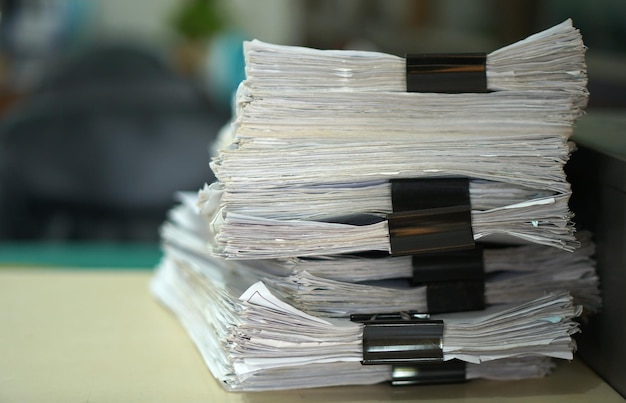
column 410, row 194
column 446, row 73
column 455, row 281
column 467, row 264
column 455, row 296
column 402, row 338
column 453, row 371
column 430, row 215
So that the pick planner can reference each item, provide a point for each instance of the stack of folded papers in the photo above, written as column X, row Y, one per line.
column 378, row 218
column 252, row 340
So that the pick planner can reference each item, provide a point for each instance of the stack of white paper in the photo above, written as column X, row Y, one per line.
column 544, row 221
column 340, row 299
column 341, row 285
column 370, row 267
column 327, row 200
column 317, row 136
column 551, row 59
column 265, row 266
column 256, row 341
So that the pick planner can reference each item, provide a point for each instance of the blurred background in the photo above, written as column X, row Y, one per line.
column 108, row 107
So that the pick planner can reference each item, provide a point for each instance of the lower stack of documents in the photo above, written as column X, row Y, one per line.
column 268, row 324
column 252, row 340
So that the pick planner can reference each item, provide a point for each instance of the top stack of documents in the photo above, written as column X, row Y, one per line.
column 362, row 159
column 317, row 143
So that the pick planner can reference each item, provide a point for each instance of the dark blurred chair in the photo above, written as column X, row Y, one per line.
column 98, row 150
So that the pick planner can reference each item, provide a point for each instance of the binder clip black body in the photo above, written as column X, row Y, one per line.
column 430, row 214
column 446, row 73
column 453, row 371
column 455, row 281
column 400, row 339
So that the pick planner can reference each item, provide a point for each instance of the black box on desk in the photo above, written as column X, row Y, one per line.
column 597, row 172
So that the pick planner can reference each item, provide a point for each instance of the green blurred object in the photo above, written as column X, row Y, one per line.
column 80, row 255
column 198, row 19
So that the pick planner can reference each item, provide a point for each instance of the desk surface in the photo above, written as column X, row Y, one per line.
column 99, row 336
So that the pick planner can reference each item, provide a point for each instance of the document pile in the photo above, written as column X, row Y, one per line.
column 378, row 218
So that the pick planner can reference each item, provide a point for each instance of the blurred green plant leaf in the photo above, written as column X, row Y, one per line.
column 198, row 19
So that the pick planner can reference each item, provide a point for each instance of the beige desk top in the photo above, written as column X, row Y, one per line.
column 99, row 336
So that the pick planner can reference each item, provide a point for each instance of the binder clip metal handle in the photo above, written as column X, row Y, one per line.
column 430, row 214
column 402, row 341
